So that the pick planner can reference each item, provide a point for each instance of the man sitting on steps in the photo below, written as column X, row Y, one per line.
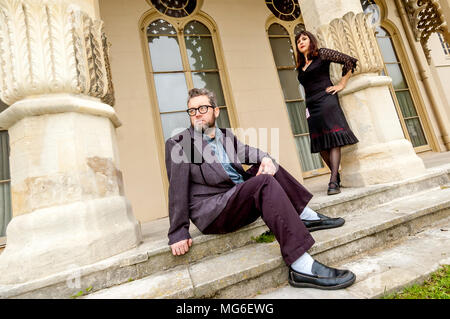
column 209, row 186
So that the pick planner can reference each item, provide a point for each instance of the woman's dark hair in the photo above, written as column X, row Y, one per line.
column 313, row 50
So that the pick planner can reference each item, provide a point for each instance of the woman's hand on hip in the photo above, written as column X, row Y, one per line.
column 335, row 88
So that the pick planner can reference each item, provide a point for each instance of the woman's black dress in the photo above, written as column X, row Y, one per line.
column 328, row 127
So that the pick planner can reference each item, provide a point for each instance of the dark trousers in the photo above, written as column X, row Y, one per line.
column 278, row 200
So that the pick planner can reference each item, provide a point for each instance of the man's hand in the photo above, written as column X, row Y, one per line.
column 267, row 167
column 181, row 247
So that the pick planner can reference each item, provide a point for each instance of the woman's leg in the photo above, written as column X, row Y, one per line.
column 335, row 160
column 325, row 154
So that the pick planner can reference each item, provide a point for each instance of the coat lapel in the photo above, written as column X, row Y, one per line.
column 206, row 151
column 227, row 140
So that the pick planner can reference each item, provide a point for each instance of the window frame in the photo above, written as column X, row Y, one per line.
column 179, row 25
column 411, row 88
column 411, row 81
column 290, row 28
column 3, row 238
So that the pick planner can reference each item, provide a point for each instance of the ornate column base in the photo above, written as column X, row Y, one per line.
column 381, row 163
column 58, row 238
column 383, row 155
column 67, row 191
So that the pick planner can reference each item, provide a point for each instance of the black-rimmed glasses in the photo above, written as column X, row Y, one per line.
column 202, row 109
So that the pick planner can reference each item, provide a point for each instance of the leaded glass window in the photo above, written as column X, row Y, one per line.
column 283, row 53
column 175, row 8
column 181, row 61
column 286, row 10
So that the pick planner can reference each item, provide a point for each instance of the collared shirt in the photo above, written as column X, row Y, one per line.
column 222, row 156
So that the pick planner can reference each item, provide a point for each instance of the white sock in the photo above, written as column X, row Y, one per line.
column 309, row 214
column 303, row 264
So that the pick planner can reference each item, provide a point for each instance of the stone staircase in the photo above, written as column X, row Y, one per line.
column 378, row 218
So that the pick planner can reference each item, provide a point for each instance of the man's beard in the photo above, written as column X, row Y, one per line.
column 204, row 127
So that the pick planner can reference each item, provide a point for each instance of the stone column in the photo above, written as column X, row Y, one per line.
column 69, row 207
column 382, row 154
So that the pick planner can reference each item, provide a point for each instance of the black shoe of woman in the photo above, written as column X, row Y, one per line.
column 333, row 188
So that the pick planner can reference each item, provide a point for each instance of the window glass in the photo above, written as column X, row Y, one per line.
column 297, row 116
column 286, row 10
column 398, row 81
column 282, row 51
column 174, row 123
column 161, row 27
column 5, row 184
column 196, row 28
column 309, row 161
column 289, row 84
column 223, row 120
column 415, row 132
column 299, row 28
column 164, row 47
column 175, row 8
column 200, row 51
column 380, row 32
column 387, row 50
column 173, row 76
column 211, row 81
column 171, row 90
column 165, row 54
column 277, row 29
column 406, row 104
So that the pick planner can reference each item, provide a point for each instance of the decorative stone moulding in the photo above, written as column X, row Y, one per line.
column 354, row 35
column 49, row 46
column 427, row 17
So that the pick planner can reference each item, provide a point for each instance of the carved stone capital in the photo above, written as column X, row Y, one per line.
column 354, row 35
column 51, row 46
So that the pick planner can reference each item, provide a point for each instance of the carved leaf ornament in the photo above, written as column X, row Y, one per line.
column 354, row 35
column 49, row 46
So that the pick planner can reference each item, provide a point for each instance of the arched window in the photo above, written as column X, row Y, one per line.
column 401, row 92
column 5, row 185
column 400, row 89
column 180, row 59
column 281, row 41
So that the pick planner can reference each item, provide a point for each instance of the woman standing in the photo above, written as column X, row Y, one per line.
column 328, row 128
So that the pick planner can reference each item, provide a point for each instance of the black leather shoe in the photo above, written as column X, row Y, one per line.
column 333, row 190
column 324, row 222
column 323, row 278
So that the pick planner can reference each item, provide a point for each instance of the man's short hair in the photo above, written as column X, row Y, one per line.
column 200, row 92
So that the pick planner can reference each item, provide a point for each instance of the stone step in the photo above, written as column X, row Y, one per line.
column 382, row 272
column 364, row 198
column 154, row 256
column 239, row 273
